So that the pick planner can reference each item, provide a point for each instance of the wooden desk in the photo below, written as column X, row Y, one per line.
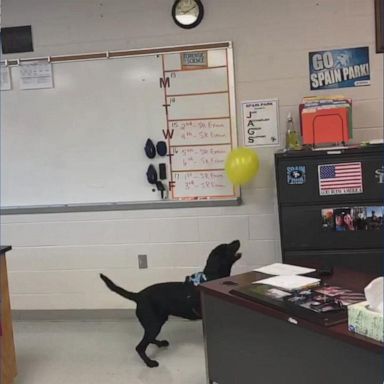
column 7, row 347
column 247, row 342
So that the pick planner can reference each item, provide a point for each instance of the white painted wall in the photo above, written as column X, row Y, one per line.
column 56, row 258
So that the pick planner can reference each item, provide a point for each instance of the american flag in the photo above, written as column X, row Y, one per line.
column 342, row 178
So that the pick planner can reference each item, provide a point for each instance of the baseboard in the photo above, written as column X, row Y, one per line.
column 73, row 314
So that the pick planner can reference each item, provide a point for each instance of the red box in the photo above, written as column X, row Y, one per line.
column 328, row 125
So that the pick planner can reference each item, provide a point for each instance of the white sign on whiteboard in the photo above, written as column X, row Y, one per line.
column 5, row 78
column 36, row 75
column 260, row 122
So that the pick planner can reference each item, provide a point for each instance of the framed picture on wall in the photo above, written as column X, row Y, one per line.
column 379, row 11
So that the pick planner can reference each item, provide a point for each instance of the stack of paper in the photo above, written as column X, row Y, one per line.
column 290, row 282
column 284, row 269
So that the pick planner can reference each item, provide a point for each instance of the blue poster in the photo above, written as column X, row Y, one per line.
column 296, row 174
column 339, row 68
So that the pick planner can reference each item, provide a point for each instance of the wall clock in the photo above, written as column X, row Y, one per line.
column 188, row 13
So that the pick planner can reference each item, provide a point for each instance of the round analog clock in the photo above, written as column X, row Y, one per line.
column 187, row 13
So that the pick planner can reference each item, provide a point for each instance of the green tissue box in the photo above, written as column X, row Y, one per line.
column 365, row 322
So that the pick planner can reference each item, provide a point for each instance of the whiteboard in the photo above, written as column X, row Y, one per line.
column 81, row 143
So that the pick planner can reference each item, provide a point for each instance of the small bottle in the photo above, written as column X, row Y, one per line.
column 293, row 141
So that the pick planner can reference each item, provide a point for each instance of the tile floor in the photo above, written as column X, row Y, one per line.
column 93, row 352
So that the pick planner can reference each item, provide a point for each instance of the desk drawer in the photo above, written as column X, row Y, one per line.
column 367, row 261
column 307, row 189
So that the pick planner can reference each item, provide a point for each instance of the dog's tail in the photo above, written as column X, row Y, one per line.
column 120, row 291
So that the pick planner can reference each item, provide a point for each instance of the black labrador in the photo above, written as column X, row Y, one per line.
column 156, row 302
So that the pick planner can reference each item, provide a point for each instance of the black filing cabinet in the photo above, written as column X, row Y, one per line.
column 331, row 207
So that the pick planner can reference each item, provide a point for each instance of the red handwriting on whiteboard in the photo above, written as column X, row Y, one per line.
column 201, row 131
column 195, row 158
column 203, row 180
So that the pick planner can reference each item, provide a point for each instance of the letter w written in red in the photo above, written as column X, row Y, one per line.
column 168, row 133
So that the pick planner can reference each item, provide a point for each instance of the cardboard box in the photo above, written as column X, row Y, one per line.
column 365, row 322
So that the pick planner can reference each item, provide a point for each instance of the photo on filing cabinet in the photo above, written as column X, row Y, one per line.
column 343, row 219
column 327, row 220
column 359, row 216
column 375, row 218
column 352, row 219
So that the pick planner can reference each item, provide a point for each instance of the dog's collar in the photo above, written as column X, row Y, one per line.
column 196, row 279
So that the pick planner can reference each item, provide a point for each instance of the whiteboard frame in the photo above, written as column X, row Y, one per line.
column 126, row 205
column 119, row 54
column 121, row 206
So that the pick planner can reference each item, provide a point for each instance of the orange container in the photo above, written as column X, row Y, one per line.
column 328, row 125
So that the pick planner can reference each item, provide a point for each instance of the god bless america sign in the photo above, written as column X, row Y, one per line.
column 339, row 68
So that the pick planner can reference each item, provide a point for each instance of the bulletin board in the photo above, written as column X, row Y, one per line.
column 79, row 145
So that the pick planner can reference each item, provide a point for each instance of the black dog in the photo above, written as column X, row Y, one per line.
column 157, row 302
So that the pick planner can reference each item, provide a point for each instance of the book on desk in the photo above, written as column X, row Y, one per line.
column 295, row 291
column 322, row 305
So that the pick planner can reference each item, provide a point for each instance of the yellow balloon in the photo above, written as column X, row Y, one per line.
column 241, row 165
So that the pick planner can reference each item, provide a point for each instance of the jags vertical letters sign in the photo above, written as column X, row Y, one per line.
column 260, row 122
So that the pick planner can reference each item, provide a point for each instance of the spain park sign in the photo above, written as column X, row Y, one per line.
column 339, row 68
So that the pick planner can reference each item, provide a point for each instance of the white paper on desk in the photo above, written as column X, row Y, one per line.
column 284, row 269
column 289, row 282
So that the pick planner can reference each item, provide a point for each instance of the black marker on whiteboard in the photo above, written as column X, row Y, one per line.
column 162, row 171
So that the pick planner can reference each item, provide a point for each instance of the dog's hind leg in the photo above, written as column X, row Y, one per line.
column 148, row 338
column 152, row 323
